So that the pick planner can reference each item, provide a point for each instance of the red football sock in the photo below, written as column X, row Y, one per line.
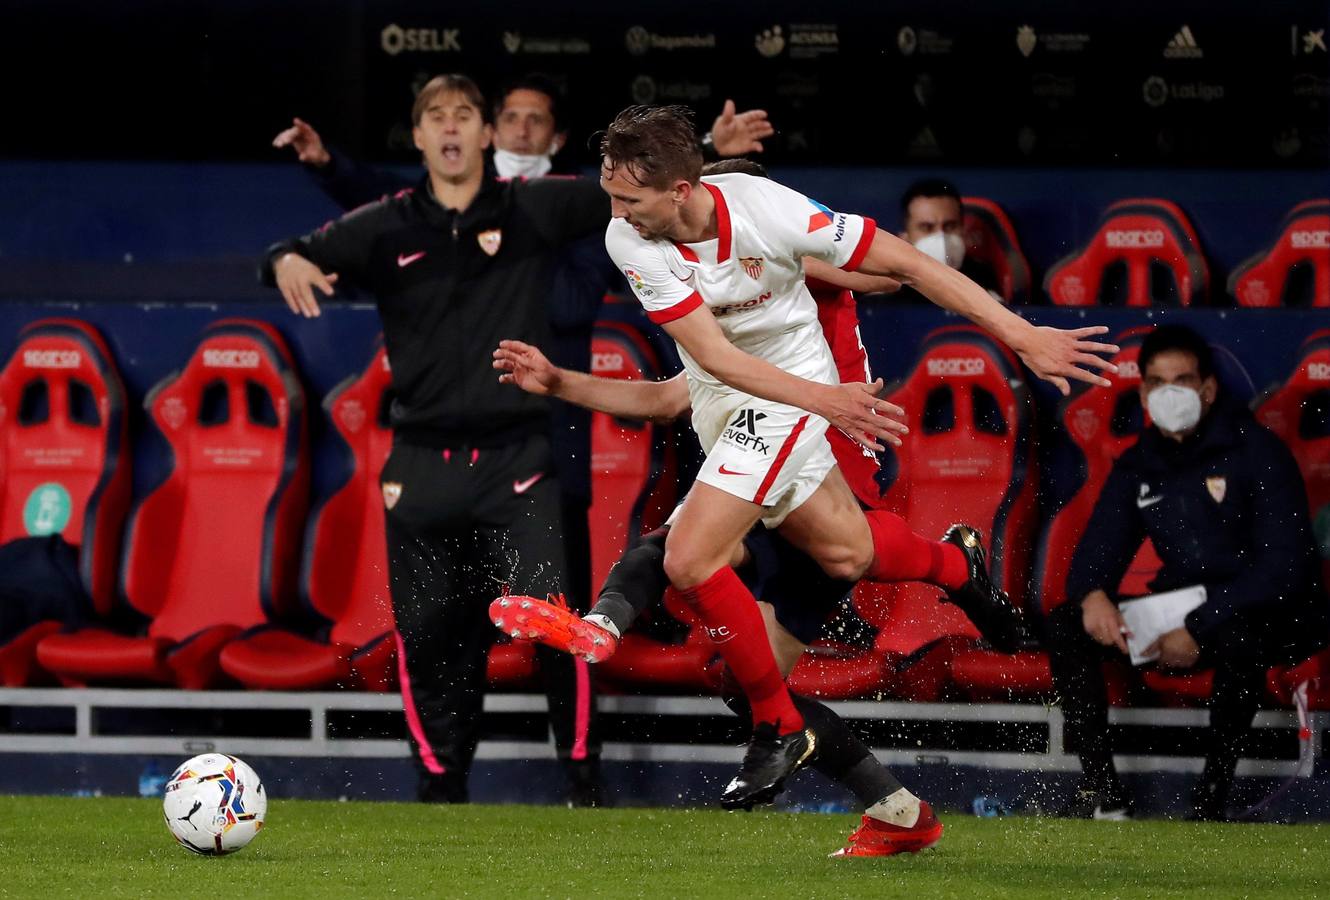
column 733, row 622
column 901, row 555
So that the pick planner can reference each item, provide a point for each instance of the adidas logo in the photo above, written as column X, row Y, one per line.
column 1183, row 46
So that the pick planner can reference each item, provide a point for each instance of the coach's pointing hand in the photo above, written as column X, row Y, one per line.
column 302, row 138
column 296, row 279
column 857, row 410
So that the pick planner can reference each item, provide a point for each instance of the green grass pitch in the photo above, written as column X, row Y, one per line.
column 114, row 847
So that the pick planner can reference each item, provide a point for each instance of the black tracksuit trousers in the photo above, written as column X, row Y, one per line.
column 462, row 523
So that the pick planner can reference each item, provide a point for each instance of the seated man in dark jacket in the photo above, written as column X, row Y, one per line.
column 1223, row 501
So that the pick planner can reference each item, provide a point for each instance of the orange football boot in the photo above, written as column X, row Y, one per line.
column 552, row 623
column 876, row 838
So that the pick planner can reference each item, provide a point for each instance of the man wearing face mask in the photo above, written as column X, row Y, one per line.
column 933, row 220
column 1223, row 502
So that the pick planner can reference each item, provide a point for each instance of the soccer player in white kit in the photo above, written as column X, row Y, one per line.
column 718, row 264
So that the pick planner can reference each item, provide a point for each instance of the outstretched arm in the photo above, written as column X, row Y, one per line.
column 526, row 367
column 858, row 282
column 1054, row 354
column 853, row 408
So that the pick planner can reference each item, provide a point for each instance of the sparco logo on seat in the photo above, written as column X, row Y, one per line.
column 1142, row 237
column 52, row 359
column 231, row 359
column 956, row 366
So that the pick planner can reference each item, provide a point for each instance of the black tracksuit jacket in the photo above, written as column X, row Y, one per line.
column 446, row 301
column 1225, row 508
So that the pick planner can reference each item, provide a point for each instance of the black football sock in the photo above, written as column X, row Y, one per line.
column 841, row 755
column 636, row 581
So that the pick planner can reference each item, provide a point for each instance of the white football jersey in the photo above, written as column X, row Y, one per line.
column 750, row 275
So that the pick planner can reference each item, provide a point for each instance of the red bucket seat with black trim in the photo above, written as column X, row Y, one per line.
column 1295, row 270
column 213, row 549
column 1145, row 252
column 64, row 462
column 1101, row 423
column 969, row 458
column 344, row 570
column 990, row 240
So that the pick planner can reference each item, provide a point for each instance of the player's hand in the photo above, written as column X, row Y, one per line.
column 1056, row 354
column 1103, row 622
column 1177, row 649
column 302, row 138
column 528, row 368
column 857, row 410
column 734, row 134
column 297, row 278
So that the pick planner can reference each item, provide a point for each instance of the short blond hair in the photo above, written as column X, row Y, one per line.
column 447, row 84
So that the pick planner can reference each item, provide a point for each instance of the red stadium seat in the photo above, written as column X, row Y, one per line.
column 1283, row 680
column 991, row 241
column 344, row 572
column 1299, row 412
column 644, row 662
column 213, row 549
column 1101, row 424
column 633, row 480
column 64, row 462
column 969, row 458
column 1144, row 253
column 632, row 462
column 1295, row 271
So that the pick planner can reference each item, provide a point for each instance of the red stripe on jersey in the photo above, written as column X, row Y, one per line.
column 865, row 241
column 677, row 311
column 685, row 252
column 784, row 454
column 723, row 235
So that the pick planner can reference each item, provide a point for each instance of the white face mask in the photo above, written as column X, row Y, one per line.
column 522, row 165
column 1174, row 408
column 946, row 247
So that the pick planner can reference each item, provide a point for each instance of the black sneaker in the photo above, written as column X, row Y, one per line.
column 771, row 758
column 988, row 607
column 584, row 784
column 1103, row 806
column 445, row 788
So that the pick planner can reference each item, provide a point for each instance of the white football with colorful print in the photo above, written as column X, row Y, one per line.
column 214, row 804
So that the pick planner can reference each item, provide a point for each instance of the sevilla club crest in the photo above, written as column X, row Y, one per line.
column 1217, row 485
column 752, row 266
column 392, row 492
column 490, row 240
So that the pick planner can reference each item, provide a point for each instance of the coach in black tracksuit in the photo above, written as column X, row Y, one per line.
column 1222, row 500
column 456, row 265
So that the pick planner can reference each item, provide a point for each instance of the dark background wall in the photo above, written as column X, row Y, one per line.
column 1028, row 83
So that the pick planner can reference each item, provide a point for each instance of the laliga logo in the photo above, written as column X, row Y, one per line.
column 52, row 359
column 231, row 359
column 1303, row 240
column 956, row 367
column 607, row 362
column 1318, row 371
column 1150, row 237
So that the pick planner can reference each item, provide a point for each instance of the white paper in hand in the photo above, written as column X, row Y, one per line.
column 1149, row 617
